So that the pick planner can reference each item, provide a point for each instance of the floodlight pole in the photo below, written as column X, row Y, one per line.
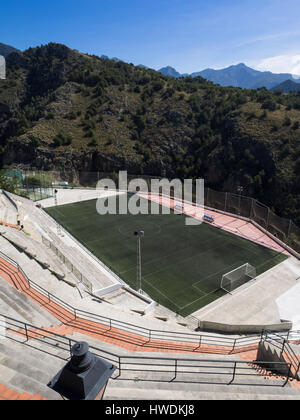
column 240, row 190
column 56, row 205
column 139, row 236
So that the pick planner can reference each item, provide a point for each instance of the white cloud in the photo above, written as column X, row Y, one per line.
column 281, row 64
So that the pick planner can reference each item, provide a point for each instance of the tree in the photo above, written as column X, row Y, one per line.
column 7, row 183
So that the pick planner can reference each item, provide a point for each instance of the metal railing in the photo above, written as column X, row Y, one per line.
column 131, row 333
column 282, row 342
column 160, row 369
column 66, row 261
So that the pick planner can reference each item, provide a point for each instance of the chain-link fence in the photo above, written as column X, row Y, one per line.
column 31, row 184
column 293, row 239
column 283, row 229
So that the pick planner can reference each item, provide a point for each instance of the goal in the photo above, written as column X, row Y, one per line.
column 236, row 278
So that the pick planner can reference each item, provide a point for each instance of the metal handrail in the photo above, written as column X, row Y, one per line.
column 154, row 365
column 283, row 344
column 150, row 334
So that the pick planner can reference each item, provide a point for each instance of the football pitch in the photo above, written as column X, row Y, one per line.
column 182, row 266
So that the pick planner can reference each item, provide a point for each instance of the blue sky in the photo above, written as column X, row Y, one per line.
column 189, row 35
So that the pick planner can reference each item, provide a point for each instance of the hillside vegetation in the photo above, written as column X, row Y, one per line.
column 64, row 110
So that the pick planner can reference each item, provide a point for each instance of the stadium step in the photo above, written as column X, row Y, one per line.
column 25, row 368
column 128, row 341
column 119, row 394
column 125, row 339
column 8, row 213
column 32, row 333
column 8, row 394
column 270, row 352
column 28, row 367
column 19, row 306
column 130, row 389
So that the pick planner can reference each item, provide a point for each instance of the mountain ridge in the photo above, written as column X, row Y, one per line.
column 66, row 111
column 287, row 86
column 239, row 75
column 5, row 50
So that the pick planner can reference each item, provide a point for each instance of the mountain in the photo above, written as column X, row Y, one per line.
column 5, row 50
column 242, row 76
column 239, row 76
column 65, row 111
column 170, row 72
column 287, row 87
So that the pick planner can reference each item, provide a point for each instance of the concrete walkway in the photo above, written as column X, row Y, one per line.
column 272, row 297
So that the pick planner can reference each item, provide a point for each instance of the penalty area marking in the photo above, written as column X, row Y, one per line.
column 217, row 272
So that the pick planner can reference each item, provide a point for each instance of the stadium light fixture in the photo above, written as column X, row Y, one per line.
column 139, row 235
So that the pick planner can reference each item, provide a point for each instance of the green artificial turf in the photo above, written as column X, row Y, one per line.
column 182, row 266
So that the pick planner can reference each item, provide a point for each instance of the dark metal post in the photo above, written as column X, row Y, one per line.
column 200, row 342
column 120, row 367
column 84, row 377
column 288, row 374
column 176, row 365
column 234, row 371
column 283, row 346
column 234, row 345
column 298, row 369
column 26, row 331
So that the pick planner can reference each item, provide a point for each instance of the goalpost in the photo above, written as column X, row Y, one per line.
column 236, row 278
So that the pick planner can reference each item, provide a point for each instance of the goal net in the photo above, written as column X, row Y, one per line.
column 238, row 277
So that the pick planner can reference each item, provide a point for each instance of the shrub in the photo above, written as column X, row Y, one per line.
column 62, row 139
column 287, row 122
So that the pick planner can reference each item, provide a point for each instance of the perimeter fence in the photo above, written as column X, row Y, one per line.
column 282, row 228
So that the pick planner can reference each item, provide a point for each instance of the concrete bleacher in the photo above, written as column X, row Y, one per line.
column 17, row 305
column 8, row 213
column 28, row 366
column 43, row 277
column 34, row 248
column 39, row 225
column 264, row 295
column 97, row 278
column 25, row 369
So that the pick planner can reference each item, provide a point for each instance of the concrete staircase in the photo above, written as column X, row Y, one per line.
column 270, row 352
column 158, row 391
column 130, row 339
column 23, row 368
column 7, row 394
column 8, row 213
column 17, row 305
column 27, row 367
